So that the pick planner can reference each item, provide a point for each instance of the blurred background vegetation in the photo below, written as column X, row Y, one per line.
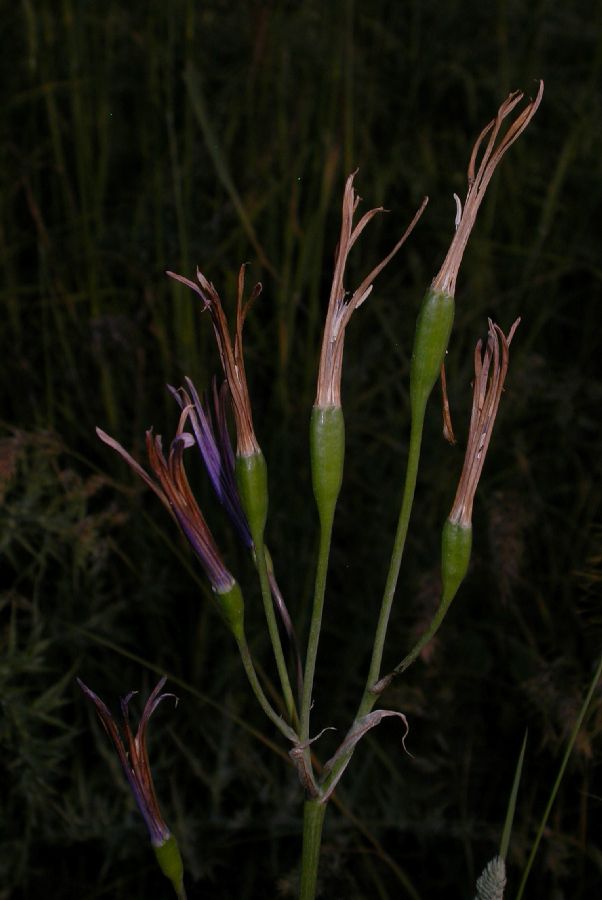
column 143, row 136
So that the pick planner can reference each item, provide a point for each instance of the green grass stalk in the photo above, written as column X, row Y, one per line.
column 505, row 841
column 557, row 782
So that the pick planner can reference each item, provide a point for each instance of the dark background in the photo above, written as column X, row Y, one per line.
column 141, row 136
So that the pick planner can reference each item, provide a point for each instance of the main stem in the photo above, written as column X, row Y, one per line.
column 313, row 820
column 270, row 615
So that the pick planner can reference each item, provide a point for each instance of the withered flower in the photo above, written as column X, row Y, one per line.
column 231, row 354
column 445, row 280
column 342, row 304
column 133, row 756
column 213, row 441
column 487, row 392
column 491, row 367
column 210, row 430
column 173, row 489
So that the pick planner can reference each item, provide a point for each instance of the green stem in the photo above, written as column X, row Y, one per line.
column 433, row 328
column 326, row 521
column 266, row 706
column 313, row 820
column 270, row 615
column 252, row 481
column 369, row 698
column 426, row 637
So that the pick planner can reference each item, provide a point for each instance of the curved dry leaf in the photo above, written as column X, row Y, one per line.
column 359, row 728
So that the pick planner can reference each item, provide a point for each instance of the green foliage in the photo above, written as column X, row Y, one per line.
column 145, row 136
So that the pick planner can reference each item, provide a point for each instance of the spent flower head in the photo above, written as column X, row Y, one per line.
column 213, row 440
column 342, row 303
column 173, row 489
column 231, row 354
column 210, row 430
column 133, row 755
column 445, row 280
column 491, row 367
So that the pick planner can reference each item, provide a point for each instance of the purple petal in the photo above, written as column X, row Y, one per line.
column 217, row 455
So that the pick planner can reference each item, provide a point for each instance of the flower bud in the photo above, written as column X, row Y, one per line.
column 456, row 545
column 433, row 329
column 170, row 862
column 252, row 481
column 232, row 608
column 327, row 453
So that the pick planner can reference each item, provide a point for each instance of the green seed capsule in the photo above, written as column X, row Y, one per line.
column 433, row 329
column 170, row 862
column 232, row 607
column 456, row 544
column 327, row 453
column 252, row 480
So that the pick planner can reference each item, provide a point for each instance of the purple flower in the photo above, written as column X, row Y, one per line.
column 212, row 438
column 173, row 489
column 213, row 441
column 134, row 757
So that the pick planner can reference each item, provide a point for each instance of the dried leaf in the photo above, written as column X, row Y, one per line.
column 355, row 734
column 302, row 765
